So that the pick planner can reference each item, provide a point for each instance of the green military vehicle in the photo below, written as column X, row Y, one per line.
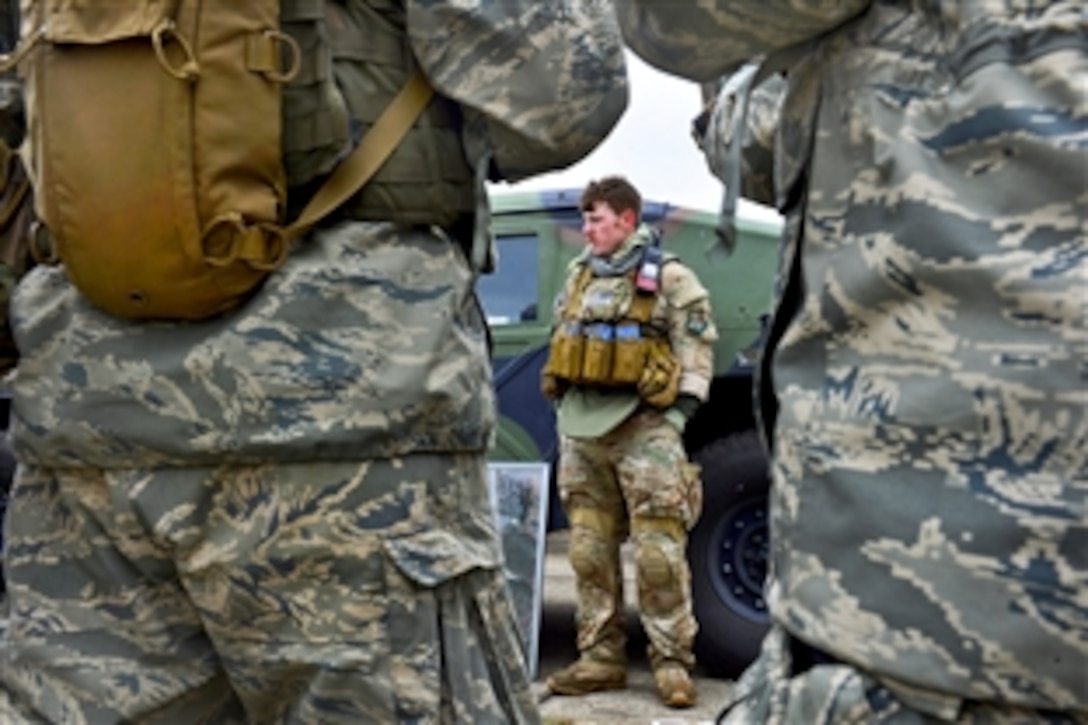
column 537, row 234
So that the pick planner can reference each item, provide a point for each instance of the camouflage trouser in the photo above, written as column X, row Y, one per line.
column 634, row 480
column 775, row 691
column 310, row 593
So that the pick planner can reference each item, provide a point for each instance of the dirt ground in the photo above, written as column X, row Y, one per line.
column 639, row 703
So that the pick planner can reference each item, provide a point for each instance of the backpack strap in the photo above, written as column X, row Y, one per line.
column 747, row 80
column 378, row 143
column 642, row 306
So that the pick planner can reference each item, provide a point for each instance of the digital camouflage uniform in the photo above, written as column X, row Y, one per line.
column 927, row 360
column 623, row 471
column 281, row 514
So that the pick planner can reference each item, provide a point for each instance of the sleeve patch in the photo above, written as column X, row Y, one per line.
column 697, row 322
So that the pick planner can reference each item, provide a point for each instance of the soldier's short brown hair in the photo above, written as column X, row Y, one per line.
column 616, row 191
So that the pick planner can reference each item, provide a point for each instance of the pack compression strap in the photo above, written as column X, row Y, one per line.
column 747, row 80
column 378, row 143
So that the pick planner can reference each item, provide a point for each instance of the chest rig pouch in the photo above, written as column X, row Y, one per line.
column 605, row 337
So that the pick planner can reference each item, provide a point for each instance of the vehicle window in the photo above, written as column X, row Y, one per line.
column 509, row 294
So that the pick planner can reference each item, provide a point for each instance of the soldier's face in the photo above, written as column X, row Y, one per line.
column 605, row 230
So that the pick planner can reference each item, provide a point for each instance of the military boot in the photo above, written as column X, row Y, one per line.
column 674, row 685
column 587, row 675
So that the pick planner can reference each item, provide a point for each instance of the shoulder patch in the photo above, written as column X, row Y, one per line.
column 697, row 321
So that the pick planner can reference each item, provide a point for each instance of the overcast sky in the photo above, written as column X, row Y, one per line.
column 652, row 147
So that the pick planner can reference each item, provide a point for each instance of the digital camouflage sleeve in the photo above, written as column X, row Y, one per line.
column 703, row 41
column 757, row 136
column 537, row 110
column 926, row 362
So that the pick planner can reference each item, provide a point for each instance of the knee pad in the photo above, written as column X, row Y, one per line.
column 591, row 540
column 659, row 552
column 653, row 562
column 586, row 552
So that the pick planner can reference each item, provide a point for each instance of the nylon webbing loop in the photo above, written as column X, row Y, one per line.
column 747, row 80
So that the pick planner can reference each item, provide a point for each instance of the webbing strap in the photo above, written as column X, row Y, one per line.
column 8, row 167
column 378, row 143
column 642, row 306
column 15, row 57
column 747, row 80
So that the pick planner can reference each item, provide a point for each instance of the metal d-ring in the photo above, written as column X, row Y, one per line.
column 287, row 75
column 165, row 33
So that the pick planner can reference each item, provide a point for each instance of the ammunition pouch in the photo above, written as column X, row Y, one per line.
column 597, row 355
column 566, row 352
column 623, row 353
column 552, row 387
column 629, row 354
column 603, row 355
column 659, row 383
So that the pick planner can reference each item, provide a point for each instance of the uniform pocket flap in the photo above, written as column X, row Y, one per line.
column 432, row 556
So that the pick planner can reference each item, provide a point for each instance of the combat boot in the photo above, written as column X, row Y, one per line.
column 674, row 685
column 586, row 676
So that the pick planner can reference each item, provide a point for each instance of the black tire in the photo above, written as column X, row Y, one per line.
column 728, row 551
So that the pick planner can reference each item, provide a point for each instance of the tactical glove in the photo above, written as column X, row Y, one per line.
column 682, row 410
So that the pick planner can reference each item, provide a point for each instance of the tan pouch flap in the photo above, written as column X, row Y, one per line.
column 92, row 22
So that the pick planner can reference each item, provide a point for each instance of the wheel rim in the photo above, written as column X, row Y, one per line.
column 737, row 562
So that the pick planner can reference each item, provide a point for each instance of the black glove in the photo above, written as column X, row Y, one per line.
column 687, row 404
column 680, row 412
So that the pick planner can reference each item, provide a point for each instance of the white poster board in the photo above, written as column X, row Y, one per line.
column 519, row 498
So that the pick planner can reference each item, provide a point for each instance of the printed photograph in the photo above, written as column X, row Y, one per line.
column 519, row 495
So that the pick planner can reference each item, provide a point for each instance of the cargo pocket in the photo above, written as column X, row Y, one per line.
column 433, row 556
column 449, row 619
column 693, row 494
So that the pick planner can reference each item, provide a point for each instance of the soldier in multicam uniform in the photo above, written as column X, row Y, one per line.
column 630, row 361
column 280, row 514
column 926, row 367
